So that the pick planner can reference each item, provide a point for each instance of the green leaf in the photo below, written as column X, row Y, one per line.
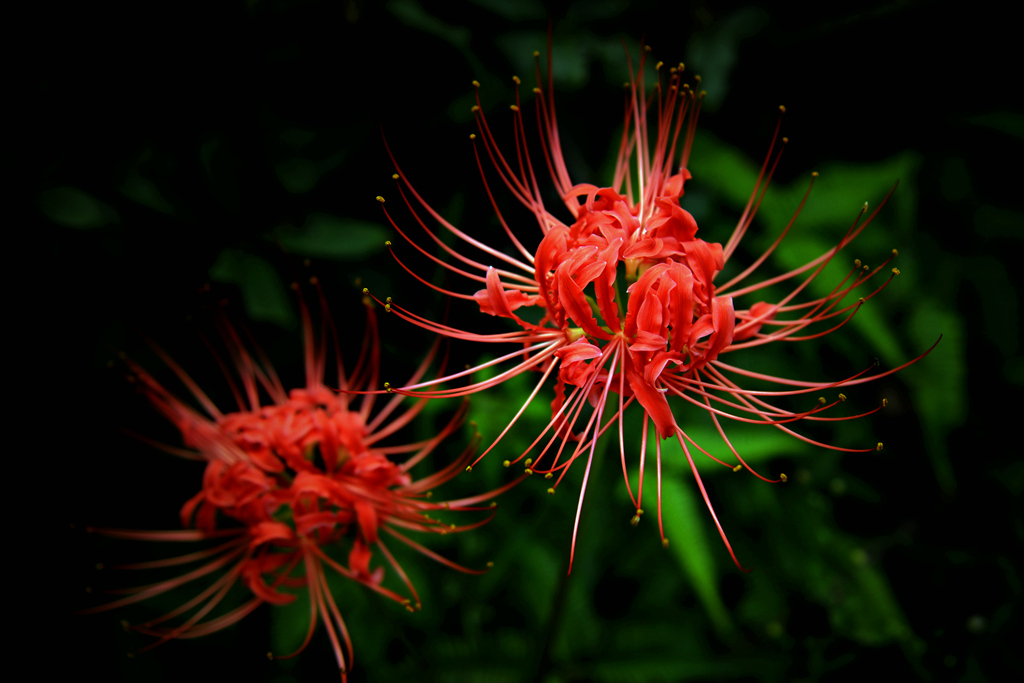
column 143, row 191
column 263, row 293
column 940, row 384
column 758, row 445
column 330, row 237
column 74, row 208
column 685, row 521
column 289, row 625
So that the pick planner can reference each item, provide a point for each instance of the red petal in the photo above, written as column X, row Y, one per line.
column 653, row 401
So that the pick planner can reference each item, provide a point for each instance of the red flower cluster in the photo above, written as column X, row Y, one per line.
column 290, row 481
column 626, row 291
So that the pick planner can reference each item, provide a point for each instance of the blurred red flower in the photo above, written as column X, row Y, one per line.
column 292, row 480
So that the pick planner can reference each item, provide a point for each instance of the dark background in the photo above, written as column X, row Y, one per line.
column 173, row 147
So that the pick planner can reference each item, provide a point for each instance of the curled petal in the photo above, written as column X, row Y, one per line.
column 654, row 368
column 653, row 401
column 759, row 313
column 648, row 341
column 495, row 300
column 673, row 186
column 705, row 261
column 306, row 524
column 576, row 305
column 359, row 562
column 672, row 220
column 252, row 575
column 267, row 532
column 724, row 318
column 573, row 368
column 366, row 515
column 604, row 285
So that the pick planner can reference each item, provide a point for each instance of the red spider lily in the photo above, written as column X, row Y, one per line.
column 666, row 331
column 299, row 476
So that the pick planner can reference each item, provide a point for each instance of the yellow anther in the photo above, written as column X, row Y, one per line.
column 782, row 108
column 476, row 84
column 895, row 271
column 472, row 136
column 452, row 527
column 737, row 468
column 866, row 268
column 548, row 475
column 387, row 243
column 537, row 91
column 493, row 504
column 842, row 397
column 387, row 308
column 507, row 463
column 394, row 176
column 895, row 253
column 528, row 462
column 366, row 290
column 388, row 300
column 664, row 543
column 469, row 468
column 516, row 79
column 814, row 174
column 551, row 492
column 659, row 65
column 536, row 53
column 380, row 199
column 821, row 400
column 647, row 48
column 430, row 494
column 513, row 107
column 860, row 300
column 783, row 477
column 445, row 505
column 856, row 263
column 474, row 109
column 885, row 402
column 528, row 471
column 409, row 608
column 697, row 78
column 270, row 656
column 879, row 446
column 785, row 141
column 634, row 520
column 490, row 564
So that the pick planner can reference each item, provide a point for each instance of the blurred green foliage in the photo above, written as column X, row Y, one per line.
column 231, row 170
